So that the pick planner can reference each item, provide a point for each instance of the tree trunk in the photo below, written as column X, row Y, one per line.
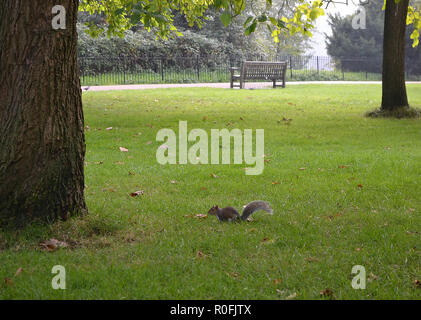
column 393, row 77
column 42, row 143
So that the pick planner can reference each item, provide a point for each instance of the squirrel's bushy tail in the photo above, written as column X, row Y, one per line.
column 255, row 206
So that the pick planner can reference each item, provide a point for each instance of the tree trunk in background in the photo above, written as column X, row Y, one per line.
column 393, row 77
column 42, row 143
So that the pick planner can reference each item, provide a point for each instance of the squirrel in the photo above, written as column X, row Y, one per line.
column 230, row 214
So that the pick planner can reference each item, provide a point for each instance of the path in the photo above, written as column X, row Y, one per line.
column 249, row 85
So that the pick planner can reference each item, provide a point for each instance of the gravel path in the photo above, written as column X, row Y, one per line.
column 249, row 85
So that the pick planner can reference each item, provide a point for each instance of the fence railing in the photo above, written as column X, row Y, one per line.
column 151, row 70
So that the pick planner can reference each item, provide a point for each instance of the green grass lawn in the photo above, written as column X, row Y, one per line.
column 345, row 191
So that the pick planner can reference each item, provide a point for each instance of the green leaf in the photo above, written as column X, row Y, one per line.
column 226, row 18
column 247, row 21
column 262, row 18
column 251, row 28
column 273, row 20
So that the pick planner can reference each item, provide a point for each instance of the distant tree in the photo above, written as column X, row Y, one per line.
column 347, row 43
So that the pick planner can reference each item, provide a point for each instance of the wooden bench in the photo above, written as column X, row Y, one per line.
column 259, row 70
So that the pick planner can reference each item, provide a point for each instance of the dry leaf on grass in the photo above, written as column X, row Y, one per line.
column 8, row 282
column 326, row 293
column 267, row 241
column 233, row 274
column 372, row 277
column 137, row 193
column 124, row 149
column 200, row 254
column 312, row 259
column 110, row 128
column 18, row 272
column 52, row 244
column 291, row 296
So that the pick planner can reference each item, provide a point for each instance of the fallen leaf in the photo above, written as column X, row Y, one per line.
column 275, row 182
column 326, row 293
column 119, row 162
column 137, row 193
column 312, row 259
column 173, row 181
column 124, row 149
column 110, row 128
column 360, row 186
column 18, row 272
column 200, row 254
column 204, row 188
column 291, row 296
column 201, row 216
column 213, row 175
column 52, row 244
column 8, row 282
column 233, row 274
column 204, row 118
column 277, row 281
column 131, row 173
column 372, row 277
column 302, row 169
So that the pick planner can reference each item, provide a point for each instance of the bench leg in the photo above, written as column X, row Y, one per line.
column 232, row 83
column 274, row 84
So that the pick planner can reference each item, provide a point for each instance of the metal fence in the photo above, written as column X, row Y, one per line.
column 151, row 70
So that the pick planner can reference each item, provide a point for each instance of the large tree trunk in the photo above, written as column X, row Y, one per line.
column 42, row 143
column 393, row 77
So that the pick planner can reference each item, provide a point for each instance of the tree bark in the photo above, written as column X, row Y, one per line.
column 393, row 77
column 42, row 143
